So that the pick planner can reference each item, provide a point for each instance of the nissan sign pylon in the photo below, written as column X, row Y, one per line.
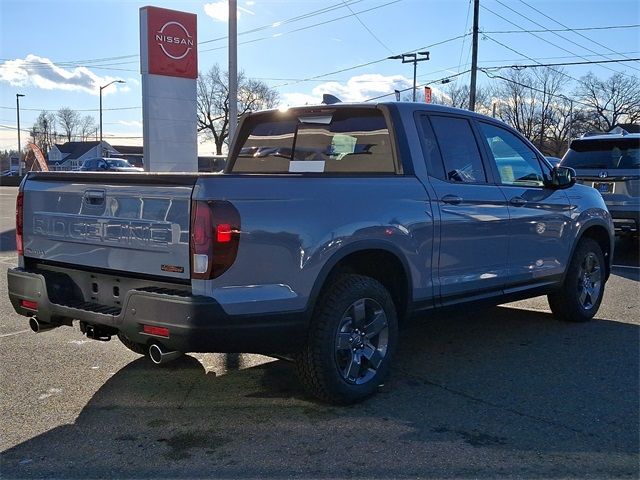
column 169, row 68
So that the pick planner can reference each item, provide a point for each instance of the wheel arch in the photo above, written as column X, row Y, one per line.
column 366, row 258
column 601, row 235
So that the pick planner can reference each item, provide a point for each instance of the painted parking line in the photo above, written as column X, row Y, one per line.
column 14, row 333
column 625, row 266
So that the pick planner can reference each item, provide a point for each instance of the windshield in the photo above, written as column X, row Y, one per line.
column 118, row 163
column 619, row 153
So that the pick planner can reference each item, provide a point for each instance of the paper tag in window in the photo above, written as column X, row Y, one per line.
column 306, row 166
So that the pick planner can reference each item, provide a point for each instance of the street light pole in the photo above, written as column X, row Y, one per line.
column 412, row 58
column 18, row 95
column 102, row 88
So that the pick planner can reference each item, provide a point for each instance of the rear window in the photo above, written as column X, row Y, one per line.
column 619, row 153
column 339, row 141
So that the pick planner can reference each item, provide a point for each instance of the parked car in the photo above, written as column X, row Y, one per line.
column 108, row 165
column 611, row 164
column 329, row 227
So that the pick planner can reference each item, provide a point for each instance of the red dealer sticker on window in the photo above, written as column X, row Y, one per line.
column 172, row 43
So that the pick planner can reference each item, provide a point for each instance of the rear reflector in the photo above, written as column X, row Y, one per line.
column 29, row 304
column 223, row 233
column 157, row 331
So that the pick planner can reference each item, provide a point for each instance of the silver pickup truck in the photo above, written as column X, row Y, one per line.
column 330, row 226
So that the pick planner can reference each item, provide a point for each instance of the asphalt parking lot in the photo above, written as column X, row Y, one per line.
column 504, row 392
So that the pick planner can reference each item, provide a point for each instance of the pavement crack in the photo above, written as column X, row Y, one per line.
column 494, row 405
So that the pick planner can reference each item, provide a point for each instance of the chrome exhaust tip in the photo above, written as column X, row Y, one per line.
column 37, row 326
column 159, row 355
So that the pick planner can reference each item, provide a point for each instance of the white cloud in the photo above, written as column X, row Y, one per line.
column 43, row 73
column 132, row 123
column 220, row 10
column 250, row 3
column 356, row 89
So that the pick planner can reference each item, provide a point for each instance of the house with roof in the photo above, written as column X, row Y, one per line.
column 71, row 155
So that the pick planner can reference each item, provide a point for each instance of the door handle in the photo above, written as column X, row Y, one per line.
column 518, row 201
column 451, row 199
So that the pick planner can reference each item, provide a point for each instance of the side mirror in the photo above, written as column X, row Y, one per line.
column 563, row 177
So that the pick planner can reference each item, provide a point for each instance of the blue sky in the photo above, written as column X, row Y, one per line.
column 295, row 48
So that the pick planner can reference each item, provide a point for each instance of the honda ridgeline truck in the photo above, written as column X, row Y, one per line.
column 330, row 226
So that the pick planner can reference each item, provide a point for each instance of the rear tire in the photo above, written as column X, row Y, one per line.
column 579, row 297
column 351, row 341
column 139, row 348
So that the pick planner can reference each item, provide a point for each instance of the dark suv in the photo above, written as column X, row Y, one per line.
column 611, row 164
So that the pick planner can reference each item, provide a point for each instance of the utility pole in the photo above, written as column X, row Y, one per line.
column 412, row 58
column 233, row 68
column 18, row 95
column 474, row 56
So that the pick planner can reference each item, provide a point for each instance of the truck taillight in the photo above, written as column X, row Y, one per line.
column 19, row 222
column 215, row 235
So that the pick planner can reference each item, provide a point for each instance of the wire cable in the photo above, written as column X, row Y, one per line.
column 557, row 35
column 367, row 28
column 574, row 30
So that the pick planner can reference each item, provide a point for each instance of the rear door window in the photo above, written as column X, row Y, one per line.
column 459, row 150
column 341, row 141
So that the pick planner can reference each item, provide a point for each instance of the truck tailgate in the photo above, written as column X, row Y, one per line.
column 136, row 223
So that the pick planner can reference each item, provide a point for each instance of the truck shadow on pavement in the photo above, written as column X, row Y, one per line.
column 8, row 241
column 502, row 392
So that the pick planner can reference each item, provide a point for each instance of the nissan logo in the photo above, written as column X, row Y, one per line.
column 176, row 40
column 603, row 174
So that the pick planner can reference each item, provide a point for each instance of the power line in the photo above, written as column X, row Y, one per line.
column 77, row 110
column 554, row 33
column 574, row 30
column 464, row 40
column 366, row 64
column 528, row 57
column 418, row 86
column 259, row 39
column 304, row 16
column 561, row 57
column 367, row 28
column 490, row 75
column 587, row 62
column 567, row 29
column 86, row 62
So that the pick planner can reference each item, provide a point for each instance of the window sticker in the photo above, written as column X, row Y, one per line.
column 306, row 166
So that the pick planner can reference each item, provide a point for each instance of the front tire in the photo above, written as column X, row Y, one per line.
column 351, row 341
column 580, row 295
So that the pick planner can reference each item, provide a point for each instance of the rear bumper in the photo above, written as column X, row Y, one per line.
column 195, row 323
column 625, row 218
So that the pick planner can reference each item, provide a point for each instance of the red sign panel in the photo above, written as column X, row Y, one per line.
column 427, row 94
column 172, row 43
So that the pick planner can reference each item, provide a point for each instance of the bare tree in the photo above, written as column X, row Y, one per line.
column 213, row 102
column 86, row 128
column 68, row 120
column 518, row 101
column 611, row 101
column 457, row 95
column 548, row 82
column 44, row 132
